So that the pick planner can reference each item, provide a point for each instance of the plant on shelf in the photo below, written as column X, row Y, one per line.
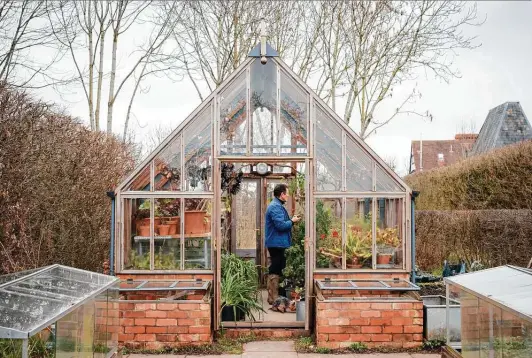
column 357, row 247
column 323, row 226
column 294, row 272
column 387, row 242
column 239, row 287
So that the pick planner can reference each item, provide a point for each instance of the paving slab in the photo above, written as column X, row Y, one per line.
column 133, row 355
column 381, row 355
column 425, row 355
column 270, row 346
column 269, row 355
column 213, row 356
column 317, row 355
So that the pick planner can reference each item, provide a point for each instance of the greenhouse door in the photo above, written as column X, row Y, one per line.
column 241, row 232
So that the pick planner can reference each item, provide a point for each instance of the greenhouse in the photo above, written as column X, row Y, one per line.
column 496, row 314
column 194, row 209
column 58, row 311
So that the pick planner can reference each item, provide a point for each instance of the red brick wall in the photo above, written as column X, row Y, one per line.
column 154, row 325
column 396, row 324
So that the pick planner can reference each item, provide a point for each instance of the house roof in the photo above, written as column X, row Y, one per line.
column 505, row 124
column 508, row 287
column 439, row 153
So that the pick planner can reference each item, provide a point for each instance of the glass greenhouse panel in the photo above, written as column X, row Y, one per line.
column 137, row 234
column 385, row 183
column 390, row 233
column 329, row 233
column 470, row 324
column 264, row 131
column 198, row 152
column 233, row 117
column 167, row 166
column 75, row 333
column 359, row 240
column 142, row 181
column 198, row 233
column 167, row 242
column 294, row 116
column 328, row 152
column 359, row 168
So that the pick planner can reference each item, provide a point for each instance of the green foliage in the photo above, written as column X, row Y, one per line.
column 358, row 347
column 37, row 348
column 294, row 272
column 433, row 344
column 240, row 285
column 323, row 350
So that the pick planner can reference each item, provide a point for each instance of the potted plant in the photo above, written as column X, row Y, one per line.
column 294, row 271
column 358, row 246
column 387, row 243
column 239, row 288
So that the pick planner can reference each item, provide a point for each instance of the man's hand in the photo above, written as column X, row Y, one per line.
column 296, row 218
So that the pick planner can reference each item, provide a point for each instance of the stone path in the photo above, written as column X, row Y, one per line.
column 285, row 349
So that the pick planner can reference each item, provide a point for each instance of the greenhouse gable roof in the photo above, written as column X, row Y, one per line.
column 32, row 300
column 508, row 287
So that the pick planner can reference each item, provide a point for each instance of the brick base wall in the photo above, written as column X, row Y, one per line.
column 397, row 324
column 154, row 325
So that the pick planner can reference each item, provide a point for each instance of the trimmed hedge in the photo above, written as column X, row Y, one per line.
column 54, row 174
column 495, row 237
column 500, row 179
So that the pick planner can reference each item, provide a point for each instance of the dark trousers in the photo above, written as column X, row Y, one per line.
column 278, row 260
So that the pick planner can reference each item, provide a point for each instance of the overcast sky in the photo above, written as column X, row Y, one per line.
column 499, row 70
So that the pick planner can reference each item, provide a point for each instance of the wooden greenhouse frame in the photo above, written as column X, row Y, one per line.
column 391, row 185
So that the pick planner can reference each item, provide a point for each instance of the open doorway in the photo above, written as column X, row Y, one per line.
column 244, row 200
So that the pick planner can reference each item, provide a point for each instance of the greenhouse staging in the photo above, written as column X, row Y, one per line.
column 193, row 212
column 64, row 311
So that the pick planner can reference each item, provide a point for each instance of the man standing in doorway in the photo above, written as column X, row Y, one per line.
column 278, row 237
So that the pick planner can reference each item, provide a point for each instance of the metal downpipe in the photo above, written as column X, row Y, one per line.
column 111, row 195
column 413, row 234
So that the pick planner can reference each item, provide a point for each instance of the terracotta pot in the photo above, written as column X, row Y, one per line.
column 144, row 230
column 163, row 229
column 354, row 266
column 173, row 226
column 195, row 222
column 157, row 221
column 294, row 295
column 384, row 259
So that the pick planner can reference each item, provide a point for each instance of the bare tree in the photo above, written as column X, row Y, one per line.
column 216, row 36
column 83, row 27
column 24, row 32
column 389, row 42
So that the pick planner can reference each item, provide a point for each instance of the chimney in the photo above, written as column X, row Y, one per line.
column 466, row 136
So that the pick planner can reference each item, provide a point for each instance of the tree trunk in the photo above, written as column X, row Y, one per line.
column 111, row 101
column 100, row 79
column 94, row 124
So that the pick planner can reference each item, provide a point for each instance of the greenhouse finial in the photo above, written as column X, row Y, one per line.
column 263, row 37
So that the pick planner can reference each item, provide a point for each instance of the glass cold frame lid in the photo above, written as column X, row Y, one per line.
column 176, row 285
column 31, row 300
column 354, row 285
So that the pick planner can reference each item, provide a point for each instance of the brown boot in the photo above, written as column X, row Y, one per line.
column 273, row 288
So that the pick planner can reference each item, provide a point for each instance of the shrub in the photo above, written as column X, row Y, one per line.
column 54, row 174
column 499, row 179
column 492, row 237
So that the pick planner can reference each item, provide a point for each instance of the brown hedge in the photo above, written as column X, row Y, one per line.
column 54, row 174
column 501, row 179
column 495, row 237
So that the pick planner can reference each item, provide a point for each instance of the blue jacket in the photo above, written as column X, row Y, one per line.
column 278, row 225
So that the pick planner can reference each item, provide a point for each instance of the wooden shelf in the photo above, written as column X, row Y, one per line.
column 206, row 235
